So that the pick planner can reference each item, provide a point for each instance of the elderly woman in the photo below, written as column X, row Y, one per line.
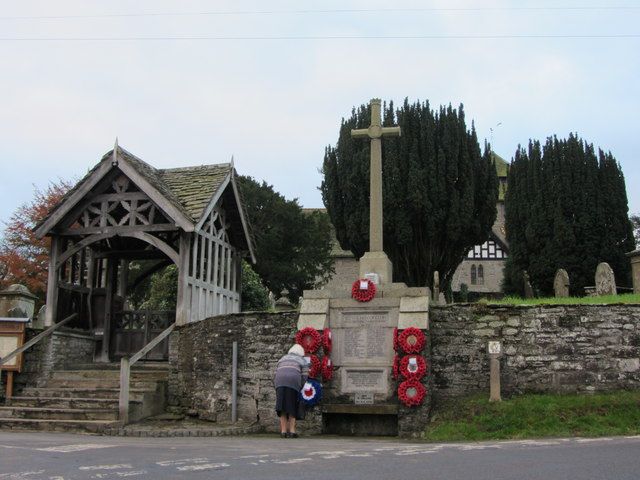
column 291, row 373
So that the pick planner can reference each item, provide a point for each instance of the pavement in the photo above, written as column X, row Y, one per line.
column 51, row 456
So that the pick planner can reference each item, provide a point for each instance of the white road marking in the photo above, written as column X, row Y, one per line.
column 20, row 475
column 105, row 467
column 203, row 466
column 252, row 456
column 292, row 461
column 184, row 461
column 132, row 473
column 74, row 448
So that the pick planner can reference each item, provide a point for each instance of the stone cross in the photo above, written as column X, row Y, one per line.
column 561, row 283
column 605, row 280
column 375, row 132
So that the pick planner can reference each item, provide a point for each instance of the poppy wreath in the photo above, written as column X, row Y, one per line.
column 309, row 338
column 395, row 339
column 326, row 341
column 311, row 392
column 411, row 340
column 415, row 369
column 411, row 393
column 316, row 368
column 396, row 367
column 327, row 369
column 362, row 294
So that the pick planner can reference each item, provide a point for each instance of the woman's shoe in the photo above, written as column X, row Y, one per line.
column 284, row 435
column 293, row 435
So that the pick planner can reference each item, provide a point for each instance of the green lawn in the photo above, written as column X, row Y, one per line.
column 605, row 299
column 531, row 416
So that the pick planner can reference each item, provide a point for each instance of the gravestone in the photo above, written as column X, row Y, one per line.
column 528, row 289
column 605, row 280
column 436, row 286
column 362, row 396
column 635, row 270
column 561, row 283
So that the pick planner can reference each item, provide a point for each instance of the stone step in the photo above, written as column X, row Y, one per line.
column 62, row 402
column 40, row 413
column 138, row 366
column 70, row 392
column 109, row 374
column 97, row 383
column 91, row 426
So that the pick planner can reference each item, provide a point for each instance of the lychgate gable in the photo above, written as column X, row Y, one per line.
column 125, row 210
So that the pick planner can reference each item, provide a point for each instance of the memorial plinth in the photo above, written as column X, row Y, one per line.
column 363, row 392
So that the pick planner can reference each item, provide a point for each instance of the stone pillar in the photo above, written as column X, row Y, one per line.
column 17, row 302
column 635, row 270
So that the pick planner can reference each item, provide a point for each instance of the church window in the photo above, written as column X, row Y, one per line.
column 480, row 275
column 473, row 275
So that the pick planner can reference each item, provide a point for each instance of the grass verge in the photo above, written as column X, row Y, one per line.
column 605, row 299
column 535, row 416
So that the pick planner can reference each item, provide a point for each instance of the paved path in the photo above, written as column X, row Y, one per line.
column 36, row 456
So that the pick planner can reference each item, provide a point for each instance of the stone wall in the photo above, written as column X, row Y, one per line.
column 200, row 359
column 573, row 348
column 65, row 347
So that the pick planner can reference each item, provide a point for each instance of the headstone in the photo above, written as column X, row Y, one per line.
column 635, row 270
column 605, row 280
column 436, row 286
column 494, row 348
column 528, row 290
column 561, row 283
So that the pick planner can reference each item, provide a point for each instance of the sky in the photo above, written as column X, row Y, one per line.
column 196, row 82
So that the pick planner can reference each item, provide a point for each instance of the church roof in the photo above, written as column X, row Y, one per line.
column 502, row 166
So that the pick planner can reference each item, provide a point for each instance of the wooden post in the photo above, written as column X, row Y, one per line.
column 9, row 390
column 108, row 308
column 123, row 400
column 52, row 283
column 495, row 350
column 184, row 299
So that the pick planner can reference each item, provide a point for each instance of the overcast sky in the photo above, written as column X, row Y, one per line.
column 555, row 67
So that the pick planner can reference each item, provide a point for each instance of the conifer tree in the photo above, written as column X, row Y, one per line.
column 566, row 207
column 439, row 190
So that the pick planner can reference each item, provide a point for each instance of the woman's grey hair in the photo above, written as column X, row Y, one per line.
column 297, row 350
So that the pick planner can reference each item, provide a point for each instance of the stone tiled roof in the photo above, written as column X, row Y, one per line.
column 189, row 189
column 193, row 187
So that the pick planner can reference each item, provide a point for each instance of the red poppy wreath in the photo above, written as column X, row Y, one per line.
column 411, row 340
column 309, row 338
column 413, row 367
column 326, row 341
column 363, row 294
column 316, row 368
column 327, row 369
column 411, row 393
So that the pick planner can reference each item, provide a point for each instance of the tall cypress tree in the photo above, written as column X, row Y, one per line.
column 439, row 190
column 566, row 207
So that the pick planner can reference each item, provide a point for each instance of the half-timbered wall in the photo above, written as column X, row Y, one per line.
column 213, row 281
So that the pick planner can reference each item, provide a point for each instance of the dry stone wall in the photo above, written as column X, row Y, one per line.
column 572, row 348
column 201, row 363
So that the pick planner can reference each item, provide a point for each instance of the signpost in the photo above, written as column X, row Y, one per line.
column 494, row 349
column 12, row 332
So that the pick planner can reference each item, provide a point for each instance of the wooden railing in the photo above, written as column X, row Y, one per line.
column 37, row 338
column 125, row 373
